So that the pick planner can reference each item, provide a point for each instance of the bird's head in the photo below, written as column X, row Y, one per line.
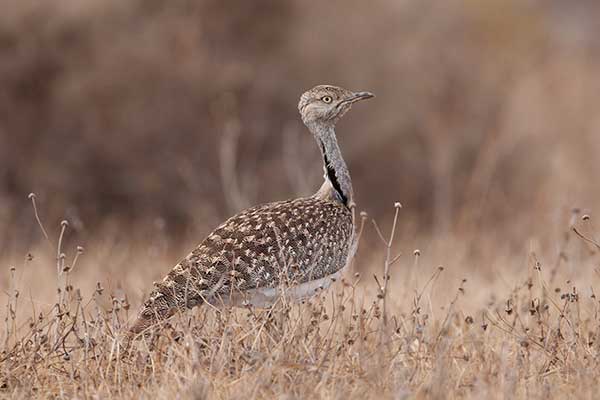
column 326, row 104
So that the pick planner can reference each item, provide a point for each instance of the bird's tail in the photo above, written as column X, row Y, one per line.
column 155, row 310
column 169, row 295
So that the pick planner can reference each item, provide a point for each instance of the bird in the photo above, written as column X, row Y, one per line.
column 294, row 247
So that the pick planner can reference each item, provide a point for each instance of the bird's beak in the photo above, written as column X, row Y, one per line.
column 357, row 96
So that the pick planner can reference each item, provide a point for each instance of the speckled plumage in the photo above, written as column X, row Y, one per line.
column 287, row 244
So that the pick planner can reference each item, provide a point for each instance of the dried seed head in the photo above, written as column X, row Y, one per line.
column 99, row 288
column 29, row 257
column 62, row 256
column 508, row 308
column 397, row 205
column 363, row 214
column 417, row 252
column 12, row 268
column 64, row 223
column 585, row 217
column 31, row 196
column 80, row 249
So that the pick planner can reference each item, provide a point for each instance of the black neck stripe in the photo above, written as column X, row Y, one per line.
column 333, row 178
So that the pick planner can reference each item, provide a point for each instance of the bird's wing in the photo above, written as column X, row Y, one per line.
column 292, row 242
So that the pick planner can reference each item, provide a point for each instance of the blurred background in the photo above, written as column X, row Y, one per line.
column 144, row 118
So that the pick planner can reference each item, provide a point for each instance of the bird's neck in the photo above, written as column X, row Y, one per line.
column 334, row 166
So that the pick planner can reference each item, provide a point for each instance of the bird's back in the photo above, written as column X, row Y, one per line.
column 289, row 243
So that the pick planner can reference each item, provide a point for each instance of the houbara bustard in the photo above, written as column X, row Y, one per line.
column 293, row 246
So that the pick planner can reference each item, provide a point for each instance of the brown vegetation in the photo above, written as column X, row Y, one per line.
column 526, row 326
column 144, row 124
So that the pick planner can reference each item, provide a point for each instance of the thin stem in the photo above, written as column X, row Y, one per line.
column 388, row 261
column 587, row 239
column 37, row 217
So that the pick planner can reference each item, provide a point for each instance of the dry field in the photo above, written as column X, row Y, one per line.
column 499, row 322
column 145, row 123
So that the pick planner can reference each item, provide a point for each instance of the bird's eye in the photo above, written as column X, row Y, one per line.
column 326, row 99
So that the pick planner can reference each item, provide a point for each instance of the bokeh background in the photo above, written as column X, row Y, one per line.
column 146, row 123
column 146, row 119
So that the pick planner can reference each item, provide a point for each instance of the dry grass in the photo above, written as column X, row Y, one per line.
column 446, row 325
column 146, row 123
